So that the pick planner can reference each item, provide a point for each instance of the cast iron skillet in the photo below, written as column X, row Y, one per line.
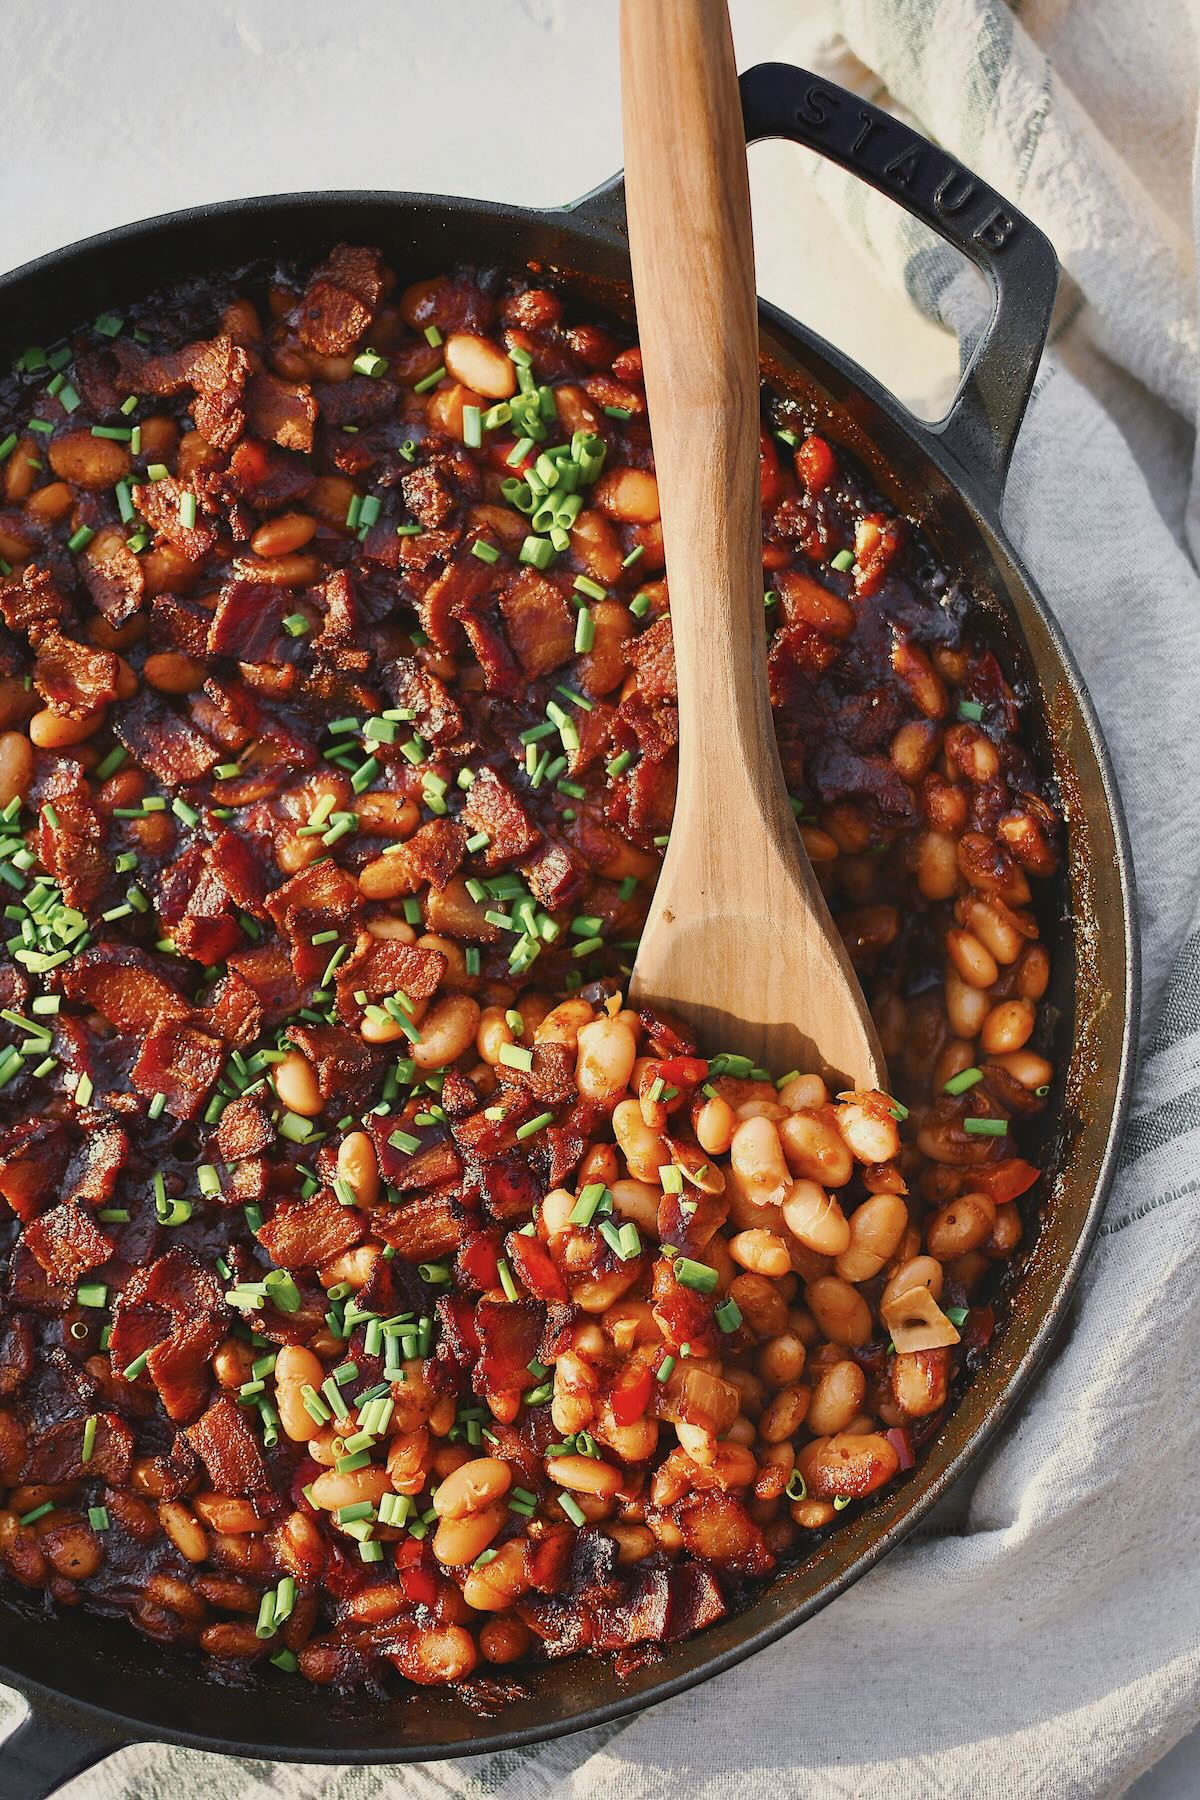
column 94, row 1685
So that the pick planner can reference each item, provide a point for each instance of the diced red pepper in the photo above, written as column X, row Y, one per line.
column 816, row 464
column 1005, row 1181
column 498, row 453
column 768, row 469
column 420, row 1585
column 901, row 1443
column 631, row 1396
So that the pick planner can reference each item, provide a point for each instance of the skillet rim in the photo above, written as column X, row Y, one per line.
column 597, row 215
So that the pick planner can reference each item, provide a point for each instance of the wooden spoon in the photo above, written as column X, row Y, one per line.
column 739, row 937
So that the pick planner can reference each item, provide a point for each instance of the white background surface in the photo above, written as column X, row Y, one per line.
column 112, row 114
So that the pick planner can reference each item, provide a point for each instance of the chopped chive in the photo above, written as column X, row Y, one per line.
column 572, row 1508
column 985, row 1127
column 695, row 1275
column 533, row 1125
column 427, row 385
column 970, row 709
column 187, row 511
column 842, row 561
column 80, row 539
column 962, row 1082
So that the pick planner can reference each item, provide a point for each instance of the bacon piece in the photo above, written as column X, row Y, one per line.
column 458, row 1339
column 215, row 369
column 72, row 678
column 340, row 300
column 67, row 1242
column 479, row 1136
column 236, row 1013
column 16, row 1353
column 428, row 496
column 562, row 1146
column 92, row 1174
column 33, row 1157
column 72, row 851
column 248, row 622
column 306, row 1233
column 337, row 598
column 385, row 966
column 195, row 904
column 501, row 674
column 718, row 1528
column 420, row 1230
column 181, row 1062
column 320, row 898
column 668, row 1034
column 654, row 724
column 346, row 1067
column 447, row 598
column 459, row 1095
column 163, row 741
column 267, row 971
column 551, row 1077
column 534, row 1269
column 508, row 1187
column 31, row 601
column 159, row 503
column 179, row 1367
column 434, row 1161
column 493, row 806
column 538, row 623
column 652, row 657
column 278, row 410
column 114, row 577
column 244, row 1130
column 55, row 1452
column 436, row 714
column 229, row 1450
column 509, row 1334
column 555, row 875
column 435, row 852
column 265, row 475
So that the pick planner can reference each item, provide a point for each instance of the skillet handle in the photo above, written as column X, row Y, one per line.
column 48, row 1749
column 782, row 101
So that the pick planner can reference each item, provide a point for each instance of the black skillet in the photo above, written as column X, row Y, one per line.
column 94, row 1685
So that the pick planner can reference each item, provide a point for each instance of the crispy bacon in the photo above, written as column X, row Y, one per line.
column 229, row 1450
column 509, row 1334
column 31, row 601
column 114, row 576
column 538, row 623
column 67, row 1242
column 493, row 807
column 55, row 1454
column 179, row 1367
column 303, row 1233
column 340, row 300
column 181, row 1062
column 72, row 678
column 347, row 1068
column 385, row 966
column 320, row 898
column 33, row 1157
column 421, row 1229
column 163, row 741
column 278, row 410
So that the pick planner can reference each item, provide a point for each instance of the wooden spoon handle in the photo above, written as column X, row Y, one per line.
column 688, row 199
